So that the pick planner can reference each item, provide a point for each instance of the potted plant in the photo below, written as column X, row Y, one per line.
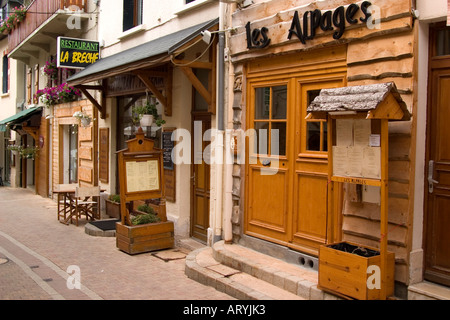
column 147, row 232
column 112, row 206
column 28, row 152
column 148, row 113
column 84, row 118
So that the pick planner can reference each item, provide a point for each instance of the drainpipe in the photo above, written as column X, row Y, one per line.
column 229, row 155
column 220, row 132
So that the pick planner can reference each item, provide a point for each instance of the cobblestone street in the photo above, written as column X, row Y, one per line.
column 36, row 252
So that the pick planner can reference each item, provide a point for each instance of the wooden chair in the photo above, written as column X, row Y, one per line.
column 64, row 203
column 87, row 203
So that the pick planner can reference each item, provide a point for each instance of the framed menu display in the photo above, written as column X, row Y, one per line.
column 141, row 174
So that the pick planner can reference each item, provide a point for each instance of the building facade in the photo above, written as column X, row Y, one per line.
column 281, row 54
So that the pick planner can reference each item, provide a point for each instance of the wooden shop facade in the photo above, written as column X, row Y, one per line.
column 283, row 53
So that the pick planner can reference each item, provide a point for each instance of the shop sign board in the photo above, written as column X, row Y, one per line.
column 77, row 53
column 305, row 28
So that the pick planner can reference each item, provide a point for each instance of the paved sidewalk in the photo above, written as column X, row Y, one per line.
column 36, row 251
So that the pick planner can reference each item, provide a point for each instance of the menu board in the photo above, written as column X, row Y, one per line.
column 355, row 153
column 167, row 146
column 142, row 175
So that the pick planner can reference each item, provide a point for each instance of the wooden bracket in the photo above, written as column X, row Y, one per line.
column 197, row 84
column 166, row 100
column 100, row 106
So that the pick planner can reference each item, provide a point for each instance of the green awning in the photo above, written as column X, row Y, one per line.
column 19, row 117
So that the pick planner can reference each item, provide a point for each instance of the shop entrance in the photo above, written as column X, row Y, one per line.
column 287, row 165
column 437, row 196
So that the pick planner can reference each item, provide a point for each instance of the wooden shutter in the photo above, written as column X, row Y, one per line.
column 29, row 85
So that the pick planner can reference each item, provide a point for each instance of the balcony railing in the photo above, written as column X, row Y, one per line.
column 37, row 13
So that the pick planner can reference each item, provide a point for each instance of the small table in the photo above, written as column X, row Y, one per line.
column 65, row 193
column 66, row 199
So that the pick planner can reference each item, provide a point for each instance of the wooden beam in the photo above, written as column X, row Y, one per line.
column 197, row 84
column 150, row 86
column 101, row 107
column 168, row 89
column 193, row 64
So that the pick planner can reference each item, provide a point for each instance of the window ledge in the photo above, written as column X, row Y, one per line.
column 4, row 95
column 192, row 6
column 132, row 31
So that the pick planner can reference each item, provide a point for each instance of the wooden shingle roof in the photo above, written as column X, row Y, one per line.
column 364, row 98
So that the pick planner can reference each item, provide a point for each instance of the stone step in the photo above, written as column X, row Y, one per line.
column 246, row 274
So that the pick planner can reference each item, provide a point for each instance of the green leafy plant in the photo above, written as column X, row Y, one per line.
column 28, row 152
column 114, row 198
column 144, row 219
column 149, row 108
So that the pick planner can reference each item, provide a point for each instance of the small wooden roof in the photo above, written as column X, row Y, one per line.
column 379, row 101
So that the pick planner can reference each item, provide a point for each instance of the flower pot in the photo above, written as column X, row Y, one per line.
column 147, row 120
column 145, row 237
column 112, row 209
column 85, row 122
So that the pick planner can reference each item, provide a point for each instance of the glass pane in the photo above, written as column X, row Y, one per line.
column 199, row 102
column 279, row 102
column 73, row 154
column 312, row 94
column 278, row 139
column 325, row 136
column 262, row 134
column 443, row 42
column 313, row 136
column 262, row 103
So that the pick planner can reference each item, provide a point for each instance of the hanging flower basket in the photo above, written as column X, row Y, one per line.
column 28, row 152
column 85, row 119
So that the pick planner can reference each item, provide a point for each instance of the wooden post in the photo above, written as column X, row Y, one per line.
column 384, row 204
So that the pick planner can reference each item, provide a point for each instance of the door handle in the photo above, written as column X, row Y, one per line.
column 431, row 181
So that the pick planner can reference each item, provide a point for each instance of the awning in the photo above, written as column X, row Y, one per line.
column 144, row 55
column 19, row 117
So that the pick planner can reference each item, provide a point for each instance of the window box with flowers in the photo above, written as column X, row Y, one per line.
column 56, row 95
column 6, row 26
column 84, row 118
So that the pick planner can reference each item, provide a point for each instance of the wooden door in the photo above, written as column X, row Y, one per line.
column 437, row 196
column 268, row 162
column 287, row 183
column 200, row 178
column 310, row 209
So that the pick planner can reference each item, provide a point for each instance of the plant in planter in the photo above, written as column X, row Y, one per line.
column 144, row 219
column 28, row 152
column 112, row 206
column 50, row 69
column 148, row 114
column 84, row 118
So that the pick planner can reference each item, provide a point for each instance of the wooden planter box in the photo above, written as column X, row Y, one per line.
column 145, row 238
column 345, row 273
column 112, row 209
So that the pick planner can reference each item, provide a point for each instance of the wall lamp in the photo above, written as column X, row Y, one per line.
column 206, row 35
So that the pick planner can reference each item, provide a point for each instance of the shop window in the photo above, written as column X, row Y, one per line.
column 270, row 120
column 316, row 130
column 132, row 14
column 69, row 147
column 5, row 66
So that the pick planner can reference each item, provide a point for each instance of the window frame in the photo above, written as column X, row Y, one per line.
column 137, row 12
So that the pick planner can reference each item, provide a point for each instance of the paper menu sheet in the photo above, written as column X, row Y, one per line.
column 355, row 161
column 142, row 175
column 353, row 132
column 344, row 132
column 361, row 132
column 372, row 163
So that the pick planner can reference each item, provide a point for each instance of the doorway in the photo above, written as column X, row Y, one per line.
column 437, row 193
